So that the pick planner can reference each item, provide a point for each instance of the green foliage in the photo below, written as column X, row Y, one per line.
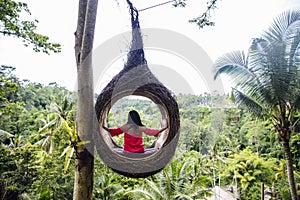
column 261, row 136
column 12, row 25
column 18, row 169
column 53, row 181
column 295, row 149
column 108, row 184
column 250, row 170
column 29, row 158
column 267, row 80
column 267, row 77
column 38, row 137
column 180, row 180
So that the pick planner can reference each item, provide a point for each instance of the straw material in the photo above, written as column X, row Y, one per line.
column 137, row 79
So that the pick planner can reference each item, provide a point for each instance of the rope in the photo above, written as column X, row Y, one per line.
column 135, row 56
column 157, row 5
column 134, row 15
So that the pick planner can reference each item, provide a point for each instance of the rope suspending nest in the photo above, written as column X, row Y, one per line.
column 136, row 55
column 160, row 4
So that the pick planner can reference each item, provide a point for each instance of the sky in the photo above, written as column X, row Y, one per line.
column 236, row 22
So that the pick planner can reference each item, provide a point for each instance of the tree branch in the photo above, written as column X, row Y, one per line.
column 204, row 19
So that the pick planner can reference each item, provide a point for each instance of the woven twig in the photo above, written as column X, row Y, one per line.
column 137, row 79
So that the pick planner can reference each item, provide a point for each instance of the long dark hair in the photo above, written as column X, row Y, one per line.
column 134, row 118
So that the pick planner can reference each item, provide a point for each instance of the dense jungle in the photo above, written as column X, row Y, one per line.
column 220, row 145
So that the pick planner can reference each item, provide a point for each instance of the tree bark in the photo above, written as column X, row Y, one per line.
column 290, row 172
column 262, row 191
column 84, row 38
column 2, row 189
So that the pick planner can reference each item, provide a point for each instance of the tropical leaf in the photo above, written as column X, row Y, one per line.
column 181, row 196
column 139, row 193
column 281, row 25
column 269, row 75
column 68, row 152
column 167, row 182
column 5, row 135
column 155, row 188
column 47, row 126
column 234, row 64
column 245, row 100
column 71, row 132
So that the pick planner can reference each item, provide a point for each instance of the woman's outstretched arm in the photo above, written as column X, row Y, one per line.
column 153, row 132
column 113, row 131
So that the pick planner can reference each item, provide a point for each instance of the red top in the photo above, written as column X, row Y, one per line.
column 133, row 144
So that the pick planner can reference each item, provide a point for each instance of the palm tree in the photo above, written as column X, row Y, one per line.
column 61, row 115
column 182, row 179
column 46, row 133
column 267, row 79
column 107, row 186
column 60, row 118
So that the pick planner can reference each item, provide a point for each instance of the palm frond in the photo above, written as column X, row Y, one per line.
column 154, row 187
column 248, row 75
column 169, row 184
column 243, row 99
column 68, row 152
column 234, row 64
column 271, row 66
column 257, row 54
column 292, row 40
column 278, row 77
column 139, row 193
column 181, row 196
column 182, row 171
column 282, row 53
column 5, row 134
column 47, row 126
column 296, row 58
column 280, row 27
column 274, row 74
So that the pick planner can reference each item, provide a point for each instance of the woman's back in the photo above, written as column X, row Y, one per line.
column 133, row 130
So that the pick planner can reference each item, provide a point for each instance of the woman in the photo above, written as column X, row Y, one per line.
column 133, row 130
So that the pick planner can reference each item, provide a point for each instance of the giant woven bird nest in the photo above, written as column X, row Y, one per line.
column 137, row 79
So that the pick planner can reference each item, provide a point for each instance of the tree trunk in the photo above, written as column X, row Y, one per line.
column 84, row 37
column 84, row 174
column 262, row 191
column 290, row 172
column 2, row 189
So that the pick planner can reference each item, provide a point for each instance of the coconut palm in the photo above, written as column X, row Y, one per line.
column 61, row 115
column 267, row 79
column 182, row 179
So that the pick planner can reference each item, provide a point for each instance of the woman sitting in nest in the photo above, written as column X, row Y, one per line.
column 133, row 131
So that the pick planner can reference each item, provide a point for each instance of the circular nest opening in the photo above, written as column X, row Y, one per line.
column 153, row 116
